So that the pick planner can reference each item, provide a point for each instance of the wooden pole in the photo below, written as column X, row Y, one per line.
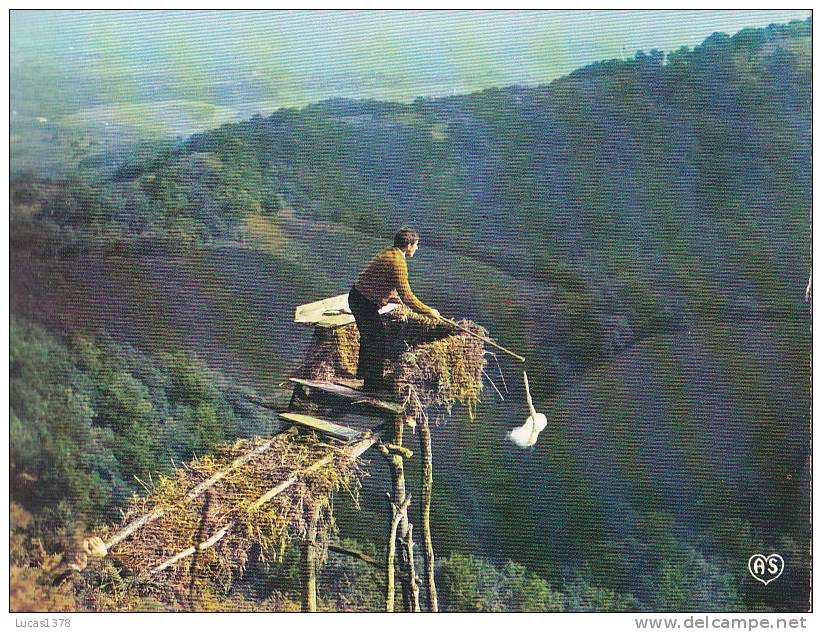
column 530, row 402
column 310, row 561
column 193, row 549
column 483, row 338
column 413, row 583
column 400, row 495
column 425, row 511
column 396, row 517
column 394, row 456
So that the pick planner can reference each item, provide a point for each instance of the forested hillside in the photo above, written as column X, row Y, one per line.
column 688, row 171
column 616, row 163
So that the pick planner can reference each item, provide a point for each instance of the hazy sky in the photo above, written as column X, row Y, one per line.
column 296, row 57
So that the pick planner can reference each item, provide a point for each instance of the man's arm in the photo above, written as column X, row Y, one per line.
column 404, row 289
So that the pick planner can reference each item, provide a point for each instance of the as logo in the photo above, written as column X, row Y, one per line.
column 766, row 569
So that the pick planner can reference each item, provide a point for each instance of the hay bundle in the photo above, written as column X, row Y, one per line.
column 431, row 364
column 332, row 353
column 270, row 526
column 428, row 363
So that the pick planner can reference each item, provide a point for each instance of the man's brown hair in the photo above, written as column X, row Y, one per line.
column 405, row 237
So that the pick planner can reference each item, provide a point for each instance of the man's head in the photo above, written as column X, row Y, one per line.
column 407, row 240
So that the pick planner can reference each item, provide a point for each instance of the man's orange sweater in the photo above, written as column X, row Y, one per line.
column 385, row 277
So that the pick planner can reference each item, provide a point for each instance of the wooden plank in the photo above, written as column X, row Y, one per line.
column 322, row 426
column 312, row 312
column 351, row 382
column 368, row 440
column 354, row 397
column 330, row 312
column 354, row 417
column 330, row 322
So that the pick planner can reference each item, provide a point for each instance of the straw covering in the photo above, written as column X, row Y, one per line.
column 319, row 469
column 428, row 362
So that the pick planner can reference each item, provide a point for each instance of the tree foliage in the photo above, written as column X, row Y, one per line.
column 89, row 417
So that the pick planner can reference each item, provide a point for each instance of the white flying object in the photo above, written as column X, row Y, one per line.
column 526, row 435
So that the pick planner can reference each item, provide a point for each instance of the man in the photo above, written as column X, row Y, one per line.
column 384, row 279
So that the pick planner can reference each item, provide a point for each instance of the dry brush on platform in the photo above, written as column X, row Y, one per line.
column 195, row 546
column 428, row 362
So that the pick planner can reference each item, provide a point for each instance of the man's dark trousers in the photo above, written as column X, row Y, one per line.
column 372, row 338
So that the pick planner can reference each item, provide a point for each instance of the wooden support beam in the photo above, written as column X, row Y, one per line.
column 398, row 491
column 349, row 395
column 310, row 561
column 323, row 426
column 327, row 312
column 218, row 535
column 330, row 312
column 397, row 513
column 413, row 584
column 425, row 512
column 390, row 448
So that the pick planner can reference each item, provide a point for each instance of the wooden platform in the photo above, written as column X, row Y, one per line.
column 351, row 396
column 323, row 426
column 341, row 411
column 330, row 312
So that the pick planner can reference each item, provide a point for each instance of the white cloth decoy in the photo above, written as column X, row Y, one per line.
column 526, row 435
column 523, row 436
